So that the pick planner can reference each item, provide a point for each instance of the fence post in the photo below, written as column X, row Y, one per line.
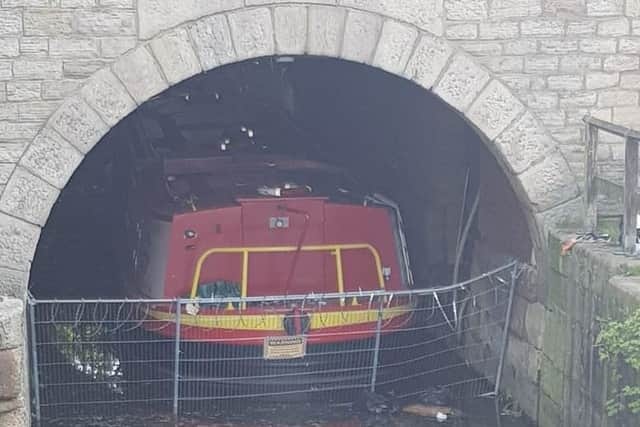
column 591, row 170
column 629, row 231
column 34, row 358
column 505, row 330
column 176, row 367
column 376, row 350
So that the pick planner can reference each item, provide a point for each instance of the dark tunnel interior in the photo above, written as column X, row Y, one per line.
column 392, row 136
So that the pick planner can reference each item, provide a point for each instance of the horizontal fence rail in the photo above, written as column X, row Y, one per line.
column 629, row 232
column 106, row 357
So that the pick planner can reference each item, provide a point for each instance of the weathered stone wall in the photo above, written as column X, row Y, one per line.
column 552, row 369
column 13, row 397
column 561, row 58
column 50, row 48
column 583, row 287
column 503, row 236
column 564, row 58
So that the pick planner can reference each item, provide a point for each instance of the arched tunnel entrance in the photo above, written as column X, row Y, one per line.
column 392, row 136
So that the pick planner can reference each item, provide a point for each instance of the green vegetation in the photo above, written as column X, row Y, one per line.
column 619, row 346
column 632, row 270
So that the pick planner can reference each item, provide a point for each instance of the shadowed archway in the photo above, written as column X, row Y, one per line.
column 535, row 168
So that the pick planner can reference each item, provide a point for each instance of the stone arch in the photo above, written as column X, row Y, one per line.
column 535, row 167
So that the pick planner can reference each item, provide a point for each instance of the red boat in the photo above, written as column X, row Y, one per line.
column 263, row 228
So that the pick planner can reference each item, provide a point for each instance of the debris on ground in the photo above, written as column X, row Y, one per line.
column 434, row 402
column 380, row 403
column 440, row 413
column 568, row 244
column 437, row 396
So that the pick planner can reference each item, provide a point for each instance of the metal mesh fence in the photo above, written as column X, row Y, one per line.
column 105, row 357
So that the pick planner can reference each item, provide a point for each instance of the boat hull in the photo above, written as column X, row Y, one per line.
column 252, row 327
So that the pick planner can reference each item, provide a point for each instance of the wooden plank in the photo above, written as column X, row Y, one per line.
column 591, row 171
column 630, row 195
column 612, row 128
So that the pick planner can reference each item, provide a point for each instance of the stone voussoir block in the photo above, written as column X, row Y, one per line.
column 326, row 30
column 547, row 183
column 18, row 240
column 176, row 56
column 11, row 320
column 108, row 96
column 361, row 34
column 79, row 124
column 494, row 109
column 52, row 158
column 155, row 16
column 395, row 47
column 461, row 82
column 524, row 142
column 212, row 41
column 424, row 14
column 13, row 283
column 290, row 29
column 28, row 197
column 252, row 32
column 428, row 60
column 140, row 74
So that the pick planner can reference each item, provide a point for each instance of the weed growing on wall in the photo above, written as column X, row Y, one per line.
column 619, row 345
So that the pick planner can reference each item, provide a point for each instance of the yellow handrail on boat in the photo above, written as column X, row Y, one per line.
column 245, row 251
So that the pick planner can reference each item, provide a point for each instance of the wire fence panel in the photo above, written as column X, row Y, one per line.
column 109, row 357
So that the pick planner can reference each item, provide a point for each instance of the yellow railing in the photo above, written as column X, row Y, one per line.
column 336, row 250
